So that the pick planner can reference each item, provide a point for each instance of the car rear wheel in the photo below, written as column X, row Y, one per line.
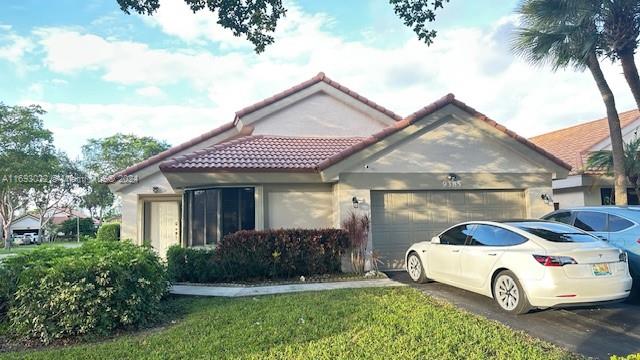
column 415, row 269
column 509, row 294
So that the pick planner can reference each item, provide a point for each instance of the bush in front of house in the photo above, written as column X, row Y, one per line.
column 91, row 290
column 192, row 265
column 109, row 232
column 280, row 253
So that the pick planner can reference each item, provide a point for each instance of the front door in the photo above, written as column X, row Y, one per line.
column 164, row 227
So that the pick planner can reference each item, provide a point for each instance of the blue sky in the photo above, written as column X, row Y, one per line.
column 98, row 71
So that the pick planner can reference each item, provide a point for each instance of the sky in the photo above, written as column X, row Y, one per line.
column 174, row 75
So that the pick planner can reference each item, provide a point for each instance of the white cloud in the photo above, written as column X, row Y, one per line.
column 474, row 63
column 73, row 124
column 150, row 91
column 14, row 47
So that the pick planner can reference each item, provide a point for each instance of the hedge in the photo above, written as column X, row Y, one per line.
column 109, row 232
column 55, row 293
column 265, row 254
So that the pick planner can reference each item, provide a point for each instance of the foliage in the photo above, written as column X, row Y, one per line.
column 109, row 232
column 98, row 199
column 603, row 161
column 629, row 357
column 357, row 228
column 383, row 323
column 94, row 289
column 255, row 19
column 417, row 13
column 280, row 253
column 248, row 255
column 192, row 265
column 27, row 151
column 70, row 227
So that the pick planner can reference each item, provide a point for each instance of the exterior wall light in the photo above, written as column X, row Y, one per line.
column 453, row 177
column 355, row 202
column 546, row 198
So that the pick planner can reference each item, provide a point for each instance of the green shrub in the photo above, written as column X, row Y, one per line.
column 267, row 254
column 192, row 265
column 628, row 357
column 70, row 227
column 280, row 253
column 94, row 289
column 109, row 232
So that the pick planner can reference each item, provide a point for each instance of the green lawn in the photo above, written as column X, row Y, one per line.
column 16, row 249
column 389, row 323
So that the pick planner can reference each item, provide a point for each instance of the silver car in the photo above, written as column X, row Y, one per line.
column 620, row 226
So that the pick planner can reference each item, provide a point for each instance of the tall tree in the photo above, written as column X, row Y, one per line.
column 25, row 157
column 59, row 190
column 603, row 161
column 257, row 19
column 106, row 156
column 551, row 35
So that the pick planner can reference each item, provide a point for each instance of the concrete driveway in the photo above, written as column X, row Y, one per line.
column 597, row 332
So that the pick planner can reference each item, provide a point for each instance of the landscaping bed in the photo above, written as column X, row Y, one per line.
column 389, row 323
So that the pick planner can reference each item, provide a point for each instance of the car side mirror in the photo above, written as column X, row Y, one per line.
column 435, row 240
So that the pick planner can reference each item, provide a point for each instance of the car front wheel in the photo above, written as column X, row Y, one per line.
column 509, row 294
column 415, row 269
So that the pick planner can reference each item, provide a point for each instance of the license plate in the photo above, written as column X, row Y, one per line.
column 601, row 270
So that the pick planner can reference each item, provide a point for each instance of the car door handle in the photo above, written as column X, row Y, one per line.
column 455, row 251
column 492, row 254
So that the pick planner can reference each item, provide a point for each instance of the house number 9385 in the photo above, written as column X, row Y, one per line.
column 451, row 183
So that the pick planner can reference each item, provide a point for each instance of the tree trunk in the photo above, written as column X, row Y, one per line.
column 5, row 233
column 631, row 74
column 617, row 143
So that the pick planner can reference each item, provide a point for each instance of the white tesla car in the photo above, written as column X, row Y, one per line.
column 523, row 264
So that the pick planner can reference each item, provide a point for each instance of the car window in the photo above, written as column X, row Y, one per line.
column 563, row 217
column 616, row 223
column 457, row 235
column 591, row 221
column 555, row 232
column 487, row 235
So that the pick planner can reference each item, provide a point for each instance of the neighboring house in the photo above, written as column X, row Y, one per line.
column 27, row 223
column 574, row 145
column 62, row 215
column 309, row 156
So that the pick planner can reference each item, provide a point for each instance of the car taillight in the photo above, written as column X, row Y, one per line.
column 554, row 260
column 623, row 256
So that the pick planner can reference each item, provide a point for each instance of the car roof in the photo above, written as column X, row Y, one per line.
column 609, row 209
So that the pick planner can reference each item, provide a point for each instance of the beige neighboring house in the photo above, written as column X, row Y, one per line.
column 309, row 156
column 574, row 144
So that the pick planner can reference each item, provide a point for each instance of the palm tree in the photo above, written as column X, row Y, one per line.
column 603, row 161
column 551, row 34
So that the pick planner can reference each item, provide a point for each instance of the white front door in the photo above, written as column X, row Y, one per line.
column 165, row 225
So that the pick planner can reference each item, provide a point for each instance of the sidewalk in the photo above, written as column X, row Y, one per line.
column 203, row 290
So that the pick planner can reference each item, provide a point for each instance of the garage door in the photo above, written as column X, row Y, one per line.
column 401, row 218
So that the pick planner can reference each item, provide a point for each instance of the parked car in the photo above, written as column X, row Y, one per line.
column 18, row 240
column 620, row 226
column 523, row 264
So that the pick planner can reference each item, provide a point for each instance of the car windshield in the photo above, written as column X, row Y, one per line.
column 555, row 232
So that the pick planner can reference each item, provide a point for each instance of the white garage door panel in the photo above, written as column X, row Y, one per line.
column 400, row 218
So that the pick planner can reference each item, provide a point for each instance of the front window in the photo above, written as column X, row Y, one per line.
column 213, row 213
column 457, row 235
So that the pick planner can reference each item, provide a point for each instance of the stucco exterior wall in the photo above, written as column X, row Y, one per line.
column 456, row 145
column 318, row 115
column 307, row 206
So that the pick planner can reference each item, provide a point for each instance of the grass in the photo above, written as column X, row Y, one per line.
column 16, row 249
column 387, row 323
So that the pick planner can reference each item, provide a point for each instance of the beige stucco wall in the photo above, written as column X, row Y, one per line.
column 455, row 145
column 298, row 206
column 318, row 115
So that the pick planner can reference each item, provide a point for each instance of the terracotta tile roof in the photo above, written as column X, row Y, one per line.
column 171, row 151
column 429, row 109
column 262, row 152
column 314, row 80
column 572, row 144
